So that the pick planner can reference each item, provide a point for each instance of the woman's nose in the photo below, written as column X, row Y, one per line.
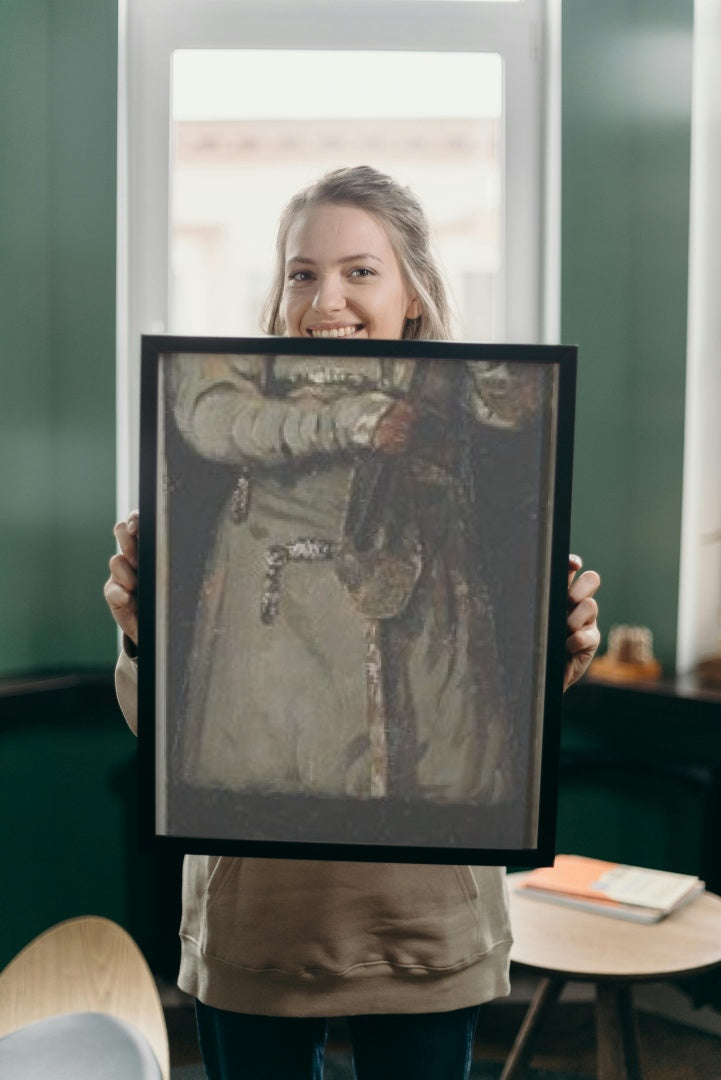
column 329, row 296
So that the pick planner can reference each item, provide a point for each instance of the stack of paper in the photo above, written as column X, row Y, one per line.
column 624, row 892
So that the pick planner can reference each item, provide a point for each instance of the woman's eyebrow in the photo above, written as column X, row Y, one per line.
column 361, row 257
column 346, row 258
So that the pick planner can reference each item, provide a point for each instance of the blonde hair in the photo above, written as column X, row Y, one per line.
column 403, row 217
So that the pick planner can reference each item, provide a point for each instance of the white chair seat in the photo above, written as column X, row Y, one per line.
column 78, row 1046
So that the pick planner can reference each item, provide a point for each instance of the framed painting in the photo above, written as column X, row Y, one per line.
column 352, row 597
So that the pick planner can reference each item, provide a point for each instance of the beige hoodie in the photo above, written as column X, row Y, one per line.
column 284, row 937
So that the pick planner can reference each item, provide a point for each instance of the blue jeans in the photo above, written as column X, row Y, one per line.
column 414, row 1046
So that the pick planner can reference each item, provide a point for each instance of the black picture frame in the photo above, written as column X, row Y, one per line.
column 388, row 685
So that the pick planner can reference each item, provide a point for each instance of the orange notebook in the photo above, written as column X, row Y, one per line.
column 631, row 892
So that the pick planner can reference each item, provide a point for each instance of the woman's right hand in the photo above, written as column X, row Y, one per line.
column 121, row 587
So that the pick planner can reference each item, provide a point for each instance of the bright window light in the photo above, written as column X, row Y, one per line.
column 238, row 156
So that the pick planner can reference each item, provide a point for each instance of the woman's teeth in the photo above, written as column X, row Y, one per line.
column 337, row 331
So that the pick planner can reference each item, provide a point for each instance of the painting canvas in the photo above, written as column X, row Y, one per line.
column 353, row 572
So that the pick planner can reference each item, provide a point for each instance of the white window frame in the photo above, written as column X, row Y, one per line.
column 526, row 34
column 699, row 597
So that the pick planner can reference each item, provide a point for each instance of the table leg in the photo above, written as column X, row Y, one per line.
column 617, row 1033
column 545, row 997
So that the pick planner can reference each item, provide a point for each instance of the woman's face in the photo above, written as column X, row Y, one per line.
column 342, row 277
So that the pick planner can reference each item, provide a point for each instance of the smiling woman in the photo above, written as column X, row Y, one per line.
column 353, row 259
column 331, row 292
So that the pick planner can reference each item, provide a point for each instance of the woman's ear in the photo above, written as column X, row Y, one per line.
column 415, row 309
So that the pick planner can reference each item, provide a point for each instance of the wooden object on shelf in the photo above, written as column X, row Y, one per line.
column 709, row 671
column 629, row 657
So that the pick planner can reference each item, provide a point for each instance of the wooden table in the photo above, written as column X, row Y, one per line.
column 563, row 944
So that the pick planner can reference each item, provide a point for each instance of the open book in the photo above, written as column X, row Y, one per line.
column 608, row 888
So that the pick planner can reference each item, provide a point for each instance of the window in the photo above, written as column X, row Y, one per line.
column 227, row 107
column 235, row 161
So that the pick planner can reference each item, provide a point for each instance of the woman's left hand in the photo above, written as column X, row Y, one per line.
column 582, row 637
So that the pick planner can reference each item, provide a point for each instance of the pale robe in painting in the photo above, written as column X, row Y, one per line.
column 287, row 677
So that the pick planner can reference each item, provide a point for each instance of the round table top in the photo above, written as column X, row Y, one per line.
column 559, row 940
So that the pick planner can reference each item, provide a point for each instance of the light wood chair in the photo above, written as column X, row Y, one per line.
column 87, row 965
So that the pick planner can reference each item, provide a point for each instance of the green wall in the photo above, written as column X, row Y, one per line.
column 67, row 772
column 626, row 145
column 626, row 136
column 58, row 71
column 69, row 807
